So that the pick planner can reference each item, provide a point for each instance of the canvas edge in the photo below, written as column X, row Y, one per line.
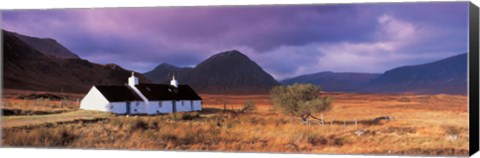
column 1, row 78
column 473, row 78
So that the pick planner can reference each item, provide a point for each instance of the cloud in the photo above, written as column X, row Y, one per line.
column 285, row 40
column 394, row 45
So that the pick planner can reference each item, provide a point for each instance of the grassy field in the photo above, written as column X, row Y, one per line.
column 421, row 125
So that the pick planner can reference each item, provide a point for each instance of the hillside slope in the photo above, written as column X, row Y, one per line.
column 444, row 76
column 335, row 81
column 27, row 68
column 47, row 46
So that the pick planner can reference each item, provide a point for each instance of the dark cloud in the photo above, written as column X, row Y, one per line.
column 285, row 40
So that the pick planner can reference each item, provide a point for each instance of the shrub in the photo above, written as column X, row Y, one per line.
column 137, row 123
column 315, row 140
column 117, row 122
column 153, row 124
column 249, row 106
column 320, row 140
column 257, row 121
column 190, row 116
column 300, row 100
column 451, row 130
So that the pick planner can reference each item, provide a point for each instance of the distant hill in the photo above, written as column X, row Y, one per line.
column 444, row 76
column 226, row 72
column 43, row 64
column 46, row 46
column 163, row 73
column 335, row 81
column 447, row 76
column 25, row 67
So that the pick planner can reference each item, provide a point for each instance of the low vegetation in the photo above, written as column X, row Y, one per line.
column 249, row 106
column 300, row 100
column 425, row 125
column 41, row 137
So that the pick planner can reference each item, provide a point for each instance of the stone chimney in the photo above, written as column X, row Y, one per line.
column 132, row 80
column 174, row 82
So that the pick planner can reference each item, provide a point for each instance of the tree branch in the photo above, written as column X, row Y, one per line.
column 315, row 118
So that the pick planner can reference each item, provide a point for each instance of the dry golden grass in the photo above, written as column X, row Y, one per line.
column 15, row 93
column 422, row 125
column 13, row 104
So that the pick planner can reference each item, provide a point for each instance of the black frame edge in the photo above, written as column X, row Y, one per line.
column 473, row 78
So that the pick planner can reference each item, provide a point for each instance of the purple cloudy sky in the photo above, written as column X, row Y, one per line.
column 285, row 40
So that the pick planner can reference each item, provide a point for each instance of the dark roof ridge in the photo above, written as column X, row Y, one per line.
column 167, row 92
column 153, row 92
column 116, row 93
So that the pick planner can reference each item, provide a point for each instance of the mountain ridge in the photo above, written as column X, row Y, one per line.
column 47, row 46
column 163, row 73
column 448, row 75
column 225, row 72
column 27, row 68
column 334, row 81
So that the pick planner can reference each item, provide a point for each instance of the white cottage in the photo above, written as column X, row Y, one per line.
column 136, row 98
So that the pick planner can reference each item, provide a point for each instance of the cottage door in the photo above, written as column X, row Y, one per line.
column 128, row 107
column 191, row 105
column 174, row 108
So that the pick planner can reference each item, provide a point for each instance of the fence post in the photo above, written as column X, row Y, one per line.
column 331, row 127
column 356, row 124
column 321, row 118
column 224, row 106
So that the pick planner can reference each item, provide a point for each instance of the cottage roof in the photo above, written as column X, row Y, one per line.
column 167, row 92
column 150, row 91
column 118, row 93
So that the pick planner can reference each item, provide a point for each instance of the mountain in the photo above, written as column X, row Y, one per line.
column 46, row 46
column 444, row 76
column 226, row 72
column 231, row 71
column 335, row 81
column 163, row 72
column 25, row 67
